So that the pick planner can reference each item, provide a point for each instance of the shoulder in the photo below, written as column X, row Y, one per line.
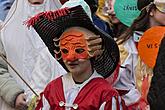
column 51, row 86
column 55, row 82
column 104, row 86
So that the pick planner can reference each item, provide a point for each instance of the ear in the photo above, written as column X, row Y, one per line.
column 152, row 12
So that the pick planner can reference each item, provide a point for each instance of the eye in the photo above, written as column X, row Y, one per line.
column 65, row 51
column 79, row 50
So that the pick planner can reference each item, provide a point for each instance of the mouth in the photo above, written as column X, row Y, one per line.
column 72, row 65
column 113, row 16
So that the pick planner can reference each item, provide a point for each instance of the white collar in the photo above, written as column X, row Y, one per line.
column 137, row 36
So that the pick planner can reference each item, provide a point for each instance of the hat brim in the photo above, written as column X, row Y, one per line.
column 160, row 7
column 76, row 16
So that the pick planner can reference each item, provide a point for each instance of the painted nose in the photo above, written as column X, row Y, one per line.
column 71, row 57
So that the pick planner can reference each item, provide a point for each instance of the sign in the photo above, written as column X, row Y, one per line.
column 149, row 43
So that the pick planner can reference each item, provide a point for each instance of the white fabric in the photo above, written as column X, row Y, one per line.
column 45, row 103
column 127, row 75
column 159, row 1
column 102, row 107
column 26, row 51
column 71, row 89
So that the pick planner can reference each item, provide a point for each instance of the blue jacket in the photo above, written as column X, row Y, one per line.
column 4, row 8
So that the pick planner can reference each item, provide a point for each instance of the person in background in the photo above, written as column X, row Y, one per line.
column 4, row 8
column 84, row 86
column 96, row 7
column 30, row 57
column 98, row 18
column 156, row 97
column 10, row 91
column 134, row 71
column 117, row 27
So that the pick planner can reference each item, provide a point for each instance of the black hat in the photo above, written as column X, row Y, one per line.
column 50, row 25
column 143, row 3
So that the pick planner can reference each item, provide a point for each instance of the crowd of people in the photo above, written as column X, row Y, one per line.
column 80, row 54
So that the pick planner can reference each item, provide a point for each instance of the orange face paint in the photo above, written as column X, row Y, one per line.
column 73, row 46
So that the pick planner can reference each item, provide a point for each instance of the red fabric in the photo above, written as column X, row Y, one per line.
column 140, row 105
column 117, row 103
column 40, row 104
column 54, row 94
column 108, row 104
column 122, row 92
column 50, row 15
column 112, row 78
column 136, row 44
column 94, row 94
column 71, row 41
column 91, row 96
column 123, row 105
column 63, row 1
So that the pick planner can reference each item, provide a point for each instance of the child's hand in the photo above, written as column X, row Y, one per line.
column 38, row 99
column 94, row 45
column 34, row 102
column 21, row 103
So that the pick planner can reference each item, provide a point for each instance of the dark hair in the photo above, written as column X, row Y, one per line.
column 143, row 3
column 141, row 23
column 93, row 4
column 156, row 92
column 118, row 29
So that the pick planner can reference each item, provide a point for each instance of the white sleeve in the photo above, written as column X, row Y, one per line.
column 46, row 105
column 102, row 106
column 114, row 104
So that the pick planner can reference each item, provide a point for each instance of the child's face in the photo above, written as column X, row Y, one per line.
column 74, row 51
column 158, row 15
column 79, row 66
column 111, row 12
column 73, row 46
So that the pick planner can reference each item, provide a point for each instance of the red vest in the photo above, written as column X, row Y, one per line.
column 91, row 96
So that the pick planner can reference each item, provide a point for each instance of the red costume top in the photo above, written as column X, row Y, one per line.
column 93, row 94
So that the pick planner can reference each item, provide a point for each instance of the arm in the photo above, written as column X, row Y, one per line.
column 42, row 103
column 115, row 103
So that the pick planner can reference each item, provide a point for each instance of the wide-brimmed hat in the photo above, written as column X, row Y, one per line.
column 50, row 25
column 141, row 4
column 160, row 5
column 144, row 4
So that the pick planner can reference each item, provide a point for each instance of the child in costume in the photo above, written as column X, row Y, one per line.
column 134, row 72
column 66, row 33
